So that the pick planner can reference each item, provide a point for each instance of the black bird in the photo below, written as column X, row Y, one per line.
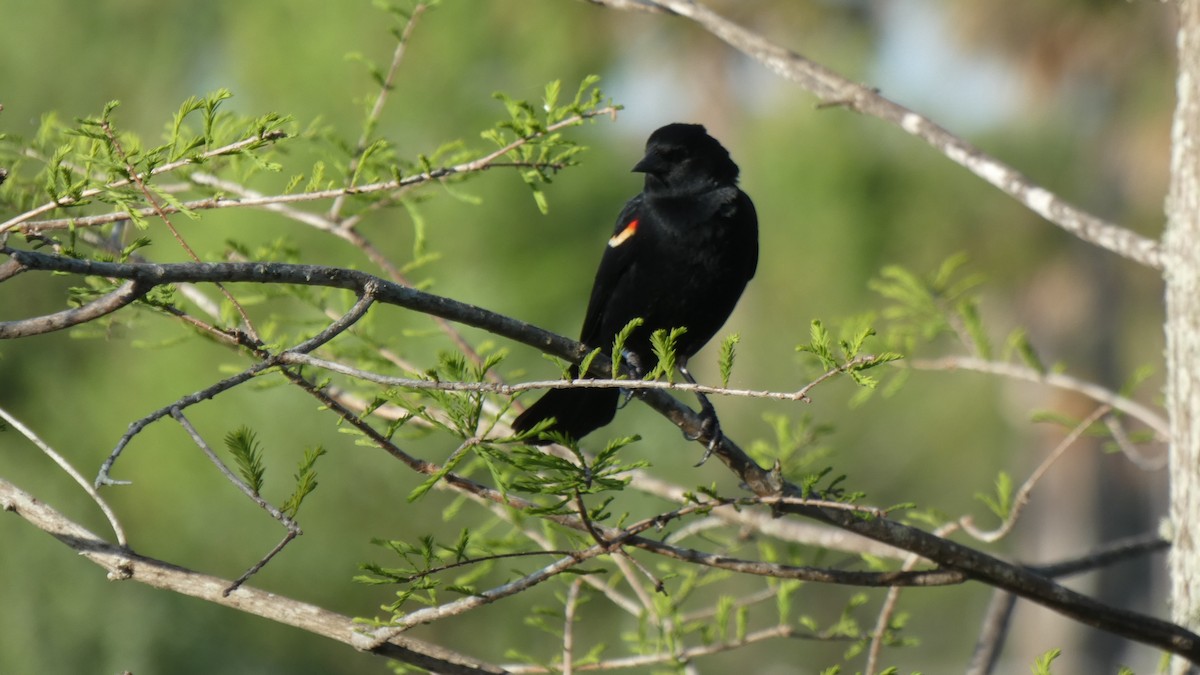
column 680, row 256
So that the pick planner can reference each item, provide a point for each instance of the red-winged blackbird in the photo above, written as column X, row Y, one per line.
column 680, row 256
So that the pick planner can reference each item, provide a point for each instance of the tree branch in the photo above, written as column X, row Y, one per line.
column 106, row 304
column 1099, row 394
column 763, row 482
column 481, row 163
column 232, row 148
column 833, row 89
column 123, row 564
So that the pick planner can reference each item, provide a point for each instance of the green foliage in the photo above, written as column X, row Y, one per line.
column 1041, row 666
column 1019, row 344
column 531, row 137
column 563, row 480
column 849, row 359
column 797, row 443
column 923, row 308
column 618, row 347
column 306, row 481
column 243, row 444
column 585, row 364
column 663, row 344
column 90, row 162
column 459, row 412
column 727, row 356
column 1001, row 502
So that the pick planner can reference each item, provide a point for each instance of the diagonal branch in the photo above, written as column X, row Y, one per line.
column 123, row 564
column 1097, row 393
column 232, row 148
column 834, row 89
column 105, row 304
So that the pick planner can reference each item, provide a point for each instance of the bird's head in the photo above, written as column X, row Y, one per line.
column 683, row 158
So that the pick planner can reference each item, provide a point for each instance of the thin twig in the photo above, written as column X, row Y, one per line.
column 684, row 655
column 62, row 462
column 333, row 330
column 165, row 168
column 1131, row 452
column 1022, row 496
column 377, row 109
column 482, row 163
column 229, row 475
column 993, row 633
column 890, row 602
column 568, row 651
column 158, row 209
column 1097, row 393
column 578, row 383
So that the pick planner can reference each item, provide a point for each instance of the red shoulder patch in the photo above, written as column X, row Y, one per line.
column 620, row 237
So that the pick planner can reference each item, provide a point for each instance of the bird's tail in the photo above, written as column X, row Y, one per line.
column 576, row 412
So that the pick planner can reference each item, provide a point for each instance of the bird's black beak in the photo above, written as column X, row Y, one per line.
column 651, row 164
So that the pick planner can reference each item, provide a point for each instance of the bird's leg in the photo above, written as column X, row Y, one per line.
column 709, row 424
column 636, row 371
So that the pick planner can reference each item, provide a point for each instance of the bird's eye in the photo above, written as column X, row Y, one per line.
column 673, row 155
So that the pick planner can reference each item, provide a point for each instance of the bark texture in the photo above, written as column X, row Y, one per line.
column 1181, row 248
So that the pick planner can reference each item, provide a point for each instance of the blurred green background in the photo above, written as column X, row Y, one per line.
column 1077, row 95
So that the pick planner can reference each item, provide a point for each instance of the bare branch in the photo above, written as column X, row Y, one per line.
column 270, row 361
column 568, row 650
column 994, row 632
column 106, row 304
column 833, row 89
column 123, row 564
column 62, row 462
column 1022, row 496
column 1095, row 392
column 1106, row 555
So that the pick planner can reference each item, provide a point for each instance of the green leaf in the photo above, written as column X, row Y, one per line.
column 1001, row 503
column 551, row 98
column 586, row 363
column 819, row 345
column 968, row 310
column 1041, row 666
column 243, row 444
column 725, row 360
column 306, row 481
column 662, row 342
column 1018, row 341
column 618, row 349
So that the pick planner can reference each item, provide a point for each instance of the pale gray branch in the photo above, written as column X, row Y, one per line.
column 1097, row 393
column 62, row 462
column 123, row 564
column 834, row 89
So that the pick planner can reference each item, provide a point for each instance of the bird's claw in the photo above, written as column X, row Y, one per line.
column 711, row 427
